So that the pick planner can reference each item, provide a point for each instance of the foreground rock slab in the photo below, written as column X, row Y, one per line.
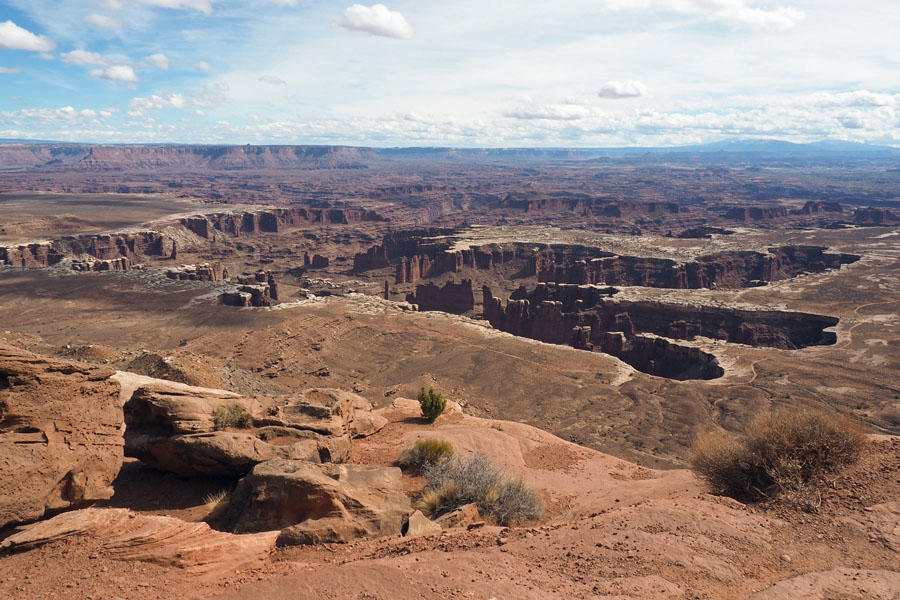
column 60, row 434
column 167, row 541
column 313, row 503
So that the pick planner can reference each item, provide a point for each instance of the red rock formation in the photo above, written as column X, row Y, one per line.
column 193, row 547
column 203, row 272
column 258, row 289
column 818, row 207
column 273, row 220
column 30, row 255
column 115, row 245
column 452, row 297
column 551, row 312
column 60, row 434
column 578, row 265
column 875, row 216
column 115, row 264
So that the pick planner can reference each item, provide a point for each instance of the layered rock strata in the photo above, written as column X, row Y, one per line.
column 451, row 297
column 60, row 434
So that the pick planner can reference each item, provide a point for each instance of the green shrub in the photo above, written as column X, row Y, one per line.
column 782, row 453
column 458, row 481
column 423, row 452
column 232, row 415
column 432, row 404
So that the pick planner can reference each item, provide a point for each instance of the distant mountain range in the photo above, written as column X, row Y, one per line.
column 29, row 154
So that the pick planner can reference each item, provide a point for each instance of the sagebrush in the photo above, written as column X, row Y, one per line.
column 458, row 481
column 232, row 415
column 423, row 452
column 432, row 404
column 785, row 452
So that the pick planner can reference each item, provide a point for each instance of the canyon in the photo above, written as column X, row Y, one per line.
column 586, row 315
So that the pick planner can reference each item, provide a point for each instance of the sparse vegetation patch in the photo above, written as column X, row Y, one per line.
column 432, row 403
column 232, row 415
column 458, row 481
column 783, row 453
column 424, row 452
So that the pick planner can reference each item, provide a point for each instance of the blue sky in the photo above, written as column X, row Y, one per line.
column 459, row 72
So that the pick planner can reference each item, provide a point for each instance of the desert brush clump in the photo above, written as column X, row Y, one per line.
column 232, row 415
column 424, row 452
column 782, row 453
column 215, row 504
column 432, row 404
column 456, row 481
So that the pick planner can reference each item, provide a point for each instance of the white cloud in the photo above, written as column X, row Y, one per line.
column 139, row 107
column 738, row 12
column 202, row 66
column 160, row 61
column 204, row 6
column 376, row 20
column 104, row 21
column 112, row 4
column 273, row 80
column 83, row 57
column 617, row 90
column 13, row 37
column 8, row 70
column 554, row 112
column 115, row 73
column 285, row 2
column 47, row 115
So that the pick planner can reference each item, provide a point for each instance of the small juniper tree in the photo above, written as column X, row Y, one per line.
column 432, row 403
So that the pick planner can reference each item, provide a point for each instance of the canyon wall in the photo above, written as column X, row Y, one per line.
column 451, row 297
column 273, row 220
column 551, row 311
column 417, row 255
column 42, row 254
column 574, row 264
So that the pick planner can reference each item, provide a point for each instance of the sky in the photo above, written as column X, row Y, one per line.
column 495, row 73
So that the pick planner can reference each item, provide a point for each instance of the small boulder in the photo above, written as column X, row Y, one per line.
column 366, row 423
column 419, row 524
column 461, row 517
column 218, row 453
column 170, row 407
column 312, row 503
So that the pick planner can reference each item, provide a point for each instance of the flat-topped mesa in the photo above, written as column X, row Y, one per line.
column 214, row 271
column 451, row 297
column 579, row 265
column 875, row 216
column 273, row 220
column 587, row 206
column 398, row 244
column 421, row 266
column 40, row 254
column 114, row 264
column 819, row 207
column 258, row 289
column 115, row 245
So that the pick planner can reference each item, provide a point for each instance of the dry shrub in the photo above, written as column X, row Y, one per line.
column 785, row 452
column 216, row 504
column 423, row 452
column 232, row 415
column 458, row 481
